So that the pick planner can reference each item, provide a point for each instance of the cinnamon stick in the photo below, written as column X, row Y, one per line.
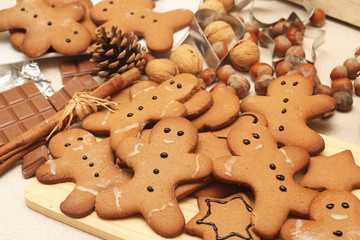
column 10, row 150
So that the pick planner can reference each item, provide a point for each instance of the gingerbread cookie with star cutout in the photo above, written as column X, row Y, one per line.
column 227, row 218
column 334, row 215
column 47, row 26
column 157, row 28
column 268, row 171
column 288, row 106
column 159, row 166
column 79, row 158
column 335, row 172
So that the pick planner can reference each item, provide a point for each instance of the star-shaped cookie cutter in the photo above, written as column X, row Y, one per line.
column 202, row 18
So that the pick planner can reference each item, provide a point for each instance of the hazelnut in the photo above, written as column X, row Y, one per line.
column 251, row 27
column 225, row 72
column 294, row 35
column 343, row 100
column 187, row 59
column 240, row 84
column 262, row 83
column 149, row 57
column 295, row 50
column 213, row 4
column 250, row 36
column 160, row 70
column 202, row 83
column 278, row 29
column 323, row 89
column 339, row 71
column 318, row 18
column 342, row 85
column 353, row 67
column 238, row 16
column 307, row 69
column 259, row 69
column 228, row 4
column 219, row 31
column 220, row 49
column 281, row 45
column 244, row 54
column 357, row 86
column 283, row 67
column 208, row 75
column 357, row 52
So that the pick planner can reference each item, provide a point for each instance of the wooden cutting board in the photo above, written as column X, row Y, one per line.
column 344, row 10
column 38, row 198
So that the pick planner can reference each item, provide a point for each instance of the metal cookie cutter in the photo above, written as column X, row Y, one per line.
column 202, row 18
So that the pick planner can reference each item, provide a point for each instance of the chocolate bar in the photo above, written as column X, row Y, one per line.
column 33, row 161
column 79, row 67
column 84, row 83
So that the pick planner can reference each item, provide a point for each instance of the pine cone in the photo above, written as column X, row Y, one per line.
column 116, row 51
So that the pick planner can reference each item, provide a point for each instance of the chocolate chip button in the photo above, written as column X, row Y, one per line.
column 338, row 233
column 80, row 139
column 283, row 111
column 96, row 174
column 150, row 189
column 280, row 177
column 154, row 97
column 272, row 166
column 286, row 100
column 91, row 164
column 163, row 155
column 282, row 188
column 156, row 171
column 141, row 108
column 68, row 40
column 246, row 141
column 84, row 157
column 281, row 128
column 130, row 115
column 67, row 145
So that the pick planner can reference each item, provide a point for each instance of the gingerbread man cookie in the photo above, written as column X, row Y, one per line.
column 336, row 172
column 157, row 28
column 227, row 218
column 268, row 171
column 80, row 159
column 159, row 165
column 224, row 110
column 47, row 26
column 151, row 105
column 288, row 106
column 334, row 215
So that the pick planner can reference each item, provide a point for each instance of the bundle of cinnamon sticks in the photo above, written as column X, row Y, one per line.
column 13, row 151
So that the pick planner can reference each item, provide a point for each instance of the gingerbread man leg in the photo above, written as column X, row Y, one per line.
column 79, row 203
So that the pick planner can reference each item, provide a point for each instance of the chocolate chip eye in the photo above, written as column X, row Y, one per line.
column 141, row 108
column 35, row 15
column 80, row 139
column 150, row 189
column 330, row 206
column 338, row 233
column 91, row 164
column 76, row 32
column 154, row 97
column 345, row 205
column 84, row 157
column 49, row 23
column 67, row 145
column 22, row 9
column 142, row 16
column 163, row 155
column 246, row 141
column 129, row 115
column 283, row 82
column 282, row 188
column 105, row 9
column 295, row 83
column 68, row 40
column 172, row 82
column 180, row 133
column 111, row 2
column 255, row 135
column 286, row 100
column 281, row 128
column 132, row 13
column 155, row 20
column 179, row 85
column 167, row 130
column 272, row 166
column 156, row 171
column 96, row 174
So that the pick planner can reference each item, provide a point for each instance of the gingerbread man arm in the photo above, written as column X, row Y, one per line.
column 97, row 123
column 74, row 10
column 34, row 45
column 54, row 171
column 6, row 14
column 298, row 157
column 173, row 108
column 197, row 166
column 128, row 148
column 224, row 167
column 255, row 104
column 300, row 229
column 79, row 203
column 198, row 103
column 324, row 104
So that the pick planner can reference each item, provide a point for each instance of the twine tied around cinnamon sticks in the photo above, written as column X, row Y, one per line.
column 81, row 105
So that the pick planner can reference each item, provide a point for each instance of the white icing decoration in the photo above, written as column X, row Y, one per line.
column 84, row 189
column 228, row 165
column 135, row 151
column 158, row 209
column 144, row 90
column 117, row 194
column 298, row 226
column 131, row 126
column 168, row 141
column 339, row 216
column 288, row 160
column 81, row 147
column 52, row 164
column 105, row 118
column 259, row 146
column 168, row 88
column 163, row 112
column 197, row 166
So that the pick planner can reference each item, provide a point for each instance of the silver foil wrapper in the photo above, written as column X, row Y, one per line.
column 17, row 74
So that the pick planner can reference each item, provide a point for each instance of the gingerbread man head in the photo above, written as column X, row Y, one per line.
column 79, row 158
column 334, row 214
column 47, row 26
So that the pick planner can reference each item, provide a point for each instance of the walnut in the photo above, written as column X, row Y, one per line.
column 213, row 4
column 219, row 31
column 187, row 59
column 244, row 54
column 160, row 70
